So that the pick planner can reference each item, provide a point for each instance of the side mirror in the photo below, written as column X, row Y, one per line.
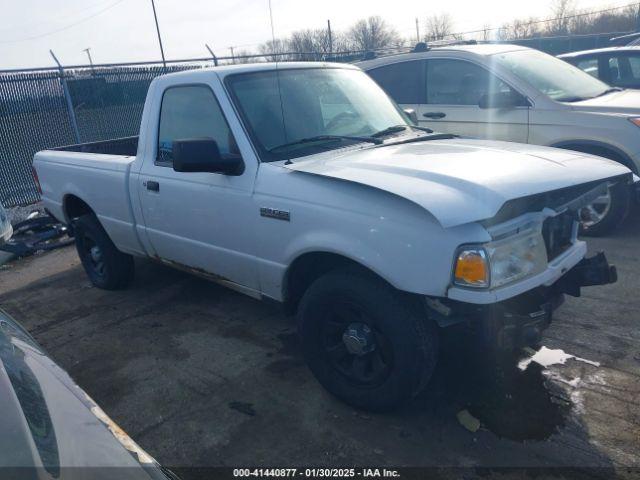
column 411, row 113
column 203, row 155
column 503, row 100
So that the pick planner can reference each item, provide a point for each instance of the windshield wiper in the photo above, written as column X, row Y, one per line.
column 571, row 99
column 398, row 129
column 609, row 90
column 320, row 138
column 424, row 138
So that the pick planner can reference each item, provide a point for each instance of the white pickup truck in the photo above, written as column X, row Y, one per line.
column 304, row 183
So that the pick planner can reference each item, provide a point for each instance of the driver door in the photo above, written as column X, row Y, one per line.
column 199, row 220
column 453, row 91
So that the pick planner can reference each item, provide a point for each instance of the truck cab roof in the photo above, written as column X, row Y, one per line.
column 225, row 70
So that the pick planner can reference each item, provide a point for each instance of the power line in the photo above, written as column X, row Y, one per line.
column 535, row 22
column 64, row 15
column 99, row 12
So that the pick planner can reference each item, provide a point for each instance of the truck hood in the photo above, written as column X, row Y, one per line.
column 460, row 181
column 623, row 102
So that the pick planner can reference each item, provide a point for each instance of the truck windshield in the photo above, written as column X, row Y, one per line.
column 553, row 77
column 334, row 107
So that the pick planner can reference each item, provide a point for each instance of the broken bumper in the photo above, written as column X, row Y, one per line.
column 519, row 321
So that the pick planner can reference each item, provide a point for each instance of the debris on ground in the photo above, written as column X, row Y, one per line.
column 547, row 356
column 38, row 232
column 468, row 421
column 243, row 407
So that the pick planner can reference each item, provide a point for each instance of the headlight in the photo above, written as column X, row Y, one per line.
column 502, row 261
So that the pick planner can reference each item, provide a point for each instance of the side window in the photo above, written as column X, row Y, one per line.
column 625, row 70
column 614, row 70
column 458, row 82
column 634, row 64
column 191, row 112
column 588, row 65
column 402, row 81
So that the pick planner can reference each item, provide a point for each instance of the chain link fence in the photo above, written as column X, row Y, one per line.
column 106, row 102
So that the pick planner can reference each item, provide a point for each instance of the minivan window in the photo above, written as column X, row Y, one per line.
column 191, row 112
column 589, row 65
column 402, row 81
column 458, row 82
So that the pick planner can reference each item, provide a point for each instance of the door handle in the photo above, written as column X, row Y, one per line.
column 434, row 115
column 152, row 185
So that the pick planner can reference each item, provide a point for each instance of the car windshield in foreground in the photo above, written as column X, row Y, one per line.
column 290, row 113
column 554, row 77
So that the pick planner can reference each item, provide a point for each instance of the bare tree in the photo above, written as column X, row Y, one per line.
column 309, row 44
column 562, row 11
column 273, row 50
column 372, row 34
column 439, row 27
column 241, row 57
column 521, row 28
column 486, row 32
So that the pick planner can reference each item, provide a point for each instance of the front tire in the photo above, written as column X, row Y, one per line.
column 106, row 266
column 365, row 342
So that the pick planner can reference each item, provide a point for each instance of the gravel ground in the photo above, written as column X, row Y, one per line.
column 18, row 214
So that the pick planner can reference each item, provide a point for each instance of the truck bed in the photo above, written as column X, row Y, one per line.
column 126, row 146
column 98, row 174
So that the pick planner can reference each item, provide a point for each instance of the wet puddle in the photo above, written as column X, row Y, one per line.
column 514, row 398
column 511, row 403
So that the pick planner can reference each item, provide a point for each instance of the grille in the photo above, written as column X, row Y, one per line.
column 558, row 233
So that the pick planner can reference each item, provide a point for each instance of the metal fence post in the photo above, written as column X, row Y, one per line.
column 67, row 97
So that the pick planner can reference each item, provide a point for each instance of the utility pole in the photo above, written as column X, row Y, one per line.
column 155, row 17
column 88, row 52
column 233, row 57
column 330, row 37
column 417, row 30
column 213, row 55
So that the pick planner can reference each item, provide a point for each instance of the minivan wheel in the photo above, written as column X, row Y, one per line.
column 608, row 211
column 106, row 266
column 365, row 342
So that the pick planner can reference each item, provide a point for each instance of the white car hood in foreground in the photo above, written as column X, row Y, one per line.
column 460, row 181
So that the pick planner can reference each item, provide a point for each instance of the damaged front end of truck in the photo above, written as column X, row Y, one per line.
column 533, row 259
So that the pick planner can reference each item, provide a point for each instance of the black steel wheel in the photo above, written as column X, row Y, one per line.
column 355, row 347
column 105, row 265
column 366, row 343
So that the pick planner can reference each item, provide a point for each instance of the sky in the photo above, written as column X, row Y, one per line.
column 124, row 30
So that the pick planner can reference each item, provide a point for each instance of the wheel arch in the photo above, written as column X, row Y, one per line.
column 602, row 149
column 73, row 207
column 308, row 267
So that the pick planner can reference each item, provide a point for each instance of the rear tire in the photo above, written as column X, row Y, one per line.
column 614, row 215
column 106, row 266
column 390, row 349
column 593, row 223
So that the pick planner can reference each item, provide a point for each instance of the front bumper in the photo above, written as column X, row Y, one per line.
column 520, row 320
column 558, row 267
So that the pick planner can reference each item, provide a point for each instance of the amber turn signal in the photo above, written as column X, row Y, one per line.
column 472, row 268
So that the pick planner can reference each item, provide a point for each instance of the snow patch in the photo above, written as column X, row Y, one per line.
column 547, row 357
